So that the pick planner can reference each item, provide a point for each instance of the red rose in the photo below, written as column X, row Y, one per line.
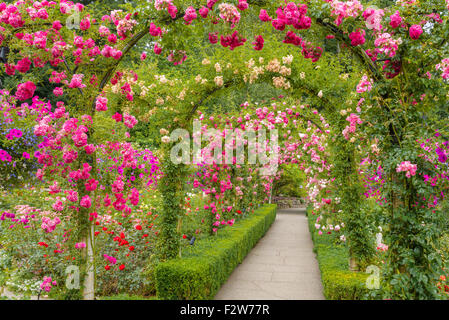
column 25, row 90
column 122, row 266
column 106, row 267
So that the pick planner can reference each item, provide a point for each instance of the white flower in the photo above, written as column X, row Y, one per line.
column 218, row 81
column 288, row 59
column 165, row 139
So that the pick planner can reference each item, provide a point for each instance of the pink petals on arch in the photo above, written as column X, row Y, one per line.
column 408, row 168
column 101, row 104
column 232, row 41
column 415, row 31
column 258, row 44
column 155, row 31
column 25, row 90
column 190, row 15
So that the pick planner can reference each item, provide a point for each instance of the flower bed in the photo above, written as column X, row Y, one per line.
column 205, row 267
column 338, row 282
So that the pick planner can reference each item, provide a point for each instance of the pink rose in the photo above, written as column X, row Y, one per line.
column 86, row 202
column 396, row 20
column 415, row 31
column 25, row 90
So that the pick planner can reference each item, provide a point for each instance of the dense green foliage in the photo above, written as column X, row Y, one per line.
column 338, row 282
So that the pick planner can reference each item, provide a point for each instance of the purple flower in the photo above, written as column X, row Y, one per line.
column 442, row 157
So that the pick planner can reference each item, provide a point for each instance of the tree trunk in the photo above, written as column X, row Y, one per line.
column 89, row 279
column 353, row 264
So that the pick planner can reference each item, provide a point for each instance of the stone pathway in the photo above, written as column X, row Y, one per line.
column 282, row 265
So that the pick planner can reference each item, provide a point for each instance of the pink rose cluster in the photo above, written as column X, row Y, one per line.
column 294, row 15
column 11, row 15
column 232, row 41
column 110, row 259
column 444, row 67
column 386, row 44
column 243, row 5
column 58, row 206
column 357, row 37
column 407, row 167
column 310, row 51
column 353, row 120
column 129, row 120
column 86, row 202
column 395, row 20
column 344, row 9
column 166, row 4
column 47, row 284
column 25, row 90
column 190, row 15
column 80, row 245
column 373, row 18
column 382, row 247
column 365, row 84
column 49, row 225
column 415, row 31
column 290, row 15
column 101, row 104
column 154, row 30
column 258, row 43
column 292, row 38
column 76, row 82
column 229, row 14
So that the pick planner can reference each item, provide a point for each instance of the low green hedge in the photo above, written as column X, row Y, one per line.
column 338, row 282
column 205, row 267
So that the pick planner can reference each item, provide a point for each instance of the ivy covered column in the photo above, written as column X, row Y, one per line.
column 359, row 237
column 171, row 187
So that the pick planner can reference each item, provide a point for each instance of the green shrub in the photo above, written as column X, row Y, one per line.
column 124, row 296
column 339, row 282
column 205, row 267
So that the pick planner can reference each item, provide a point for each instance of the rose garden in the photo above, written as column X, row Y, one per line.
column 143, row 142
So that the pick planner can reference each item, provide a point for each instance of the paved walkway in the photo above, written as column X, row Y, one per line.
column 282, row 265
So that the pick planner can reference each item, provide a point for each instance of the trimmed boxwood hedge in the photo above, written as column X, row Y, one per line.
column 205, row 267
column 339, row 282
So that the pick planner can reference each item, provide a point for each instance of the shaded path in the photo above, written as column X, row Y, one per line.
column 282, row 265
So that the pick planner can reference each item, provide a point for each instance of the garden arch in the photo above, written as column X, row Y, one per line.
column 395, row 144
